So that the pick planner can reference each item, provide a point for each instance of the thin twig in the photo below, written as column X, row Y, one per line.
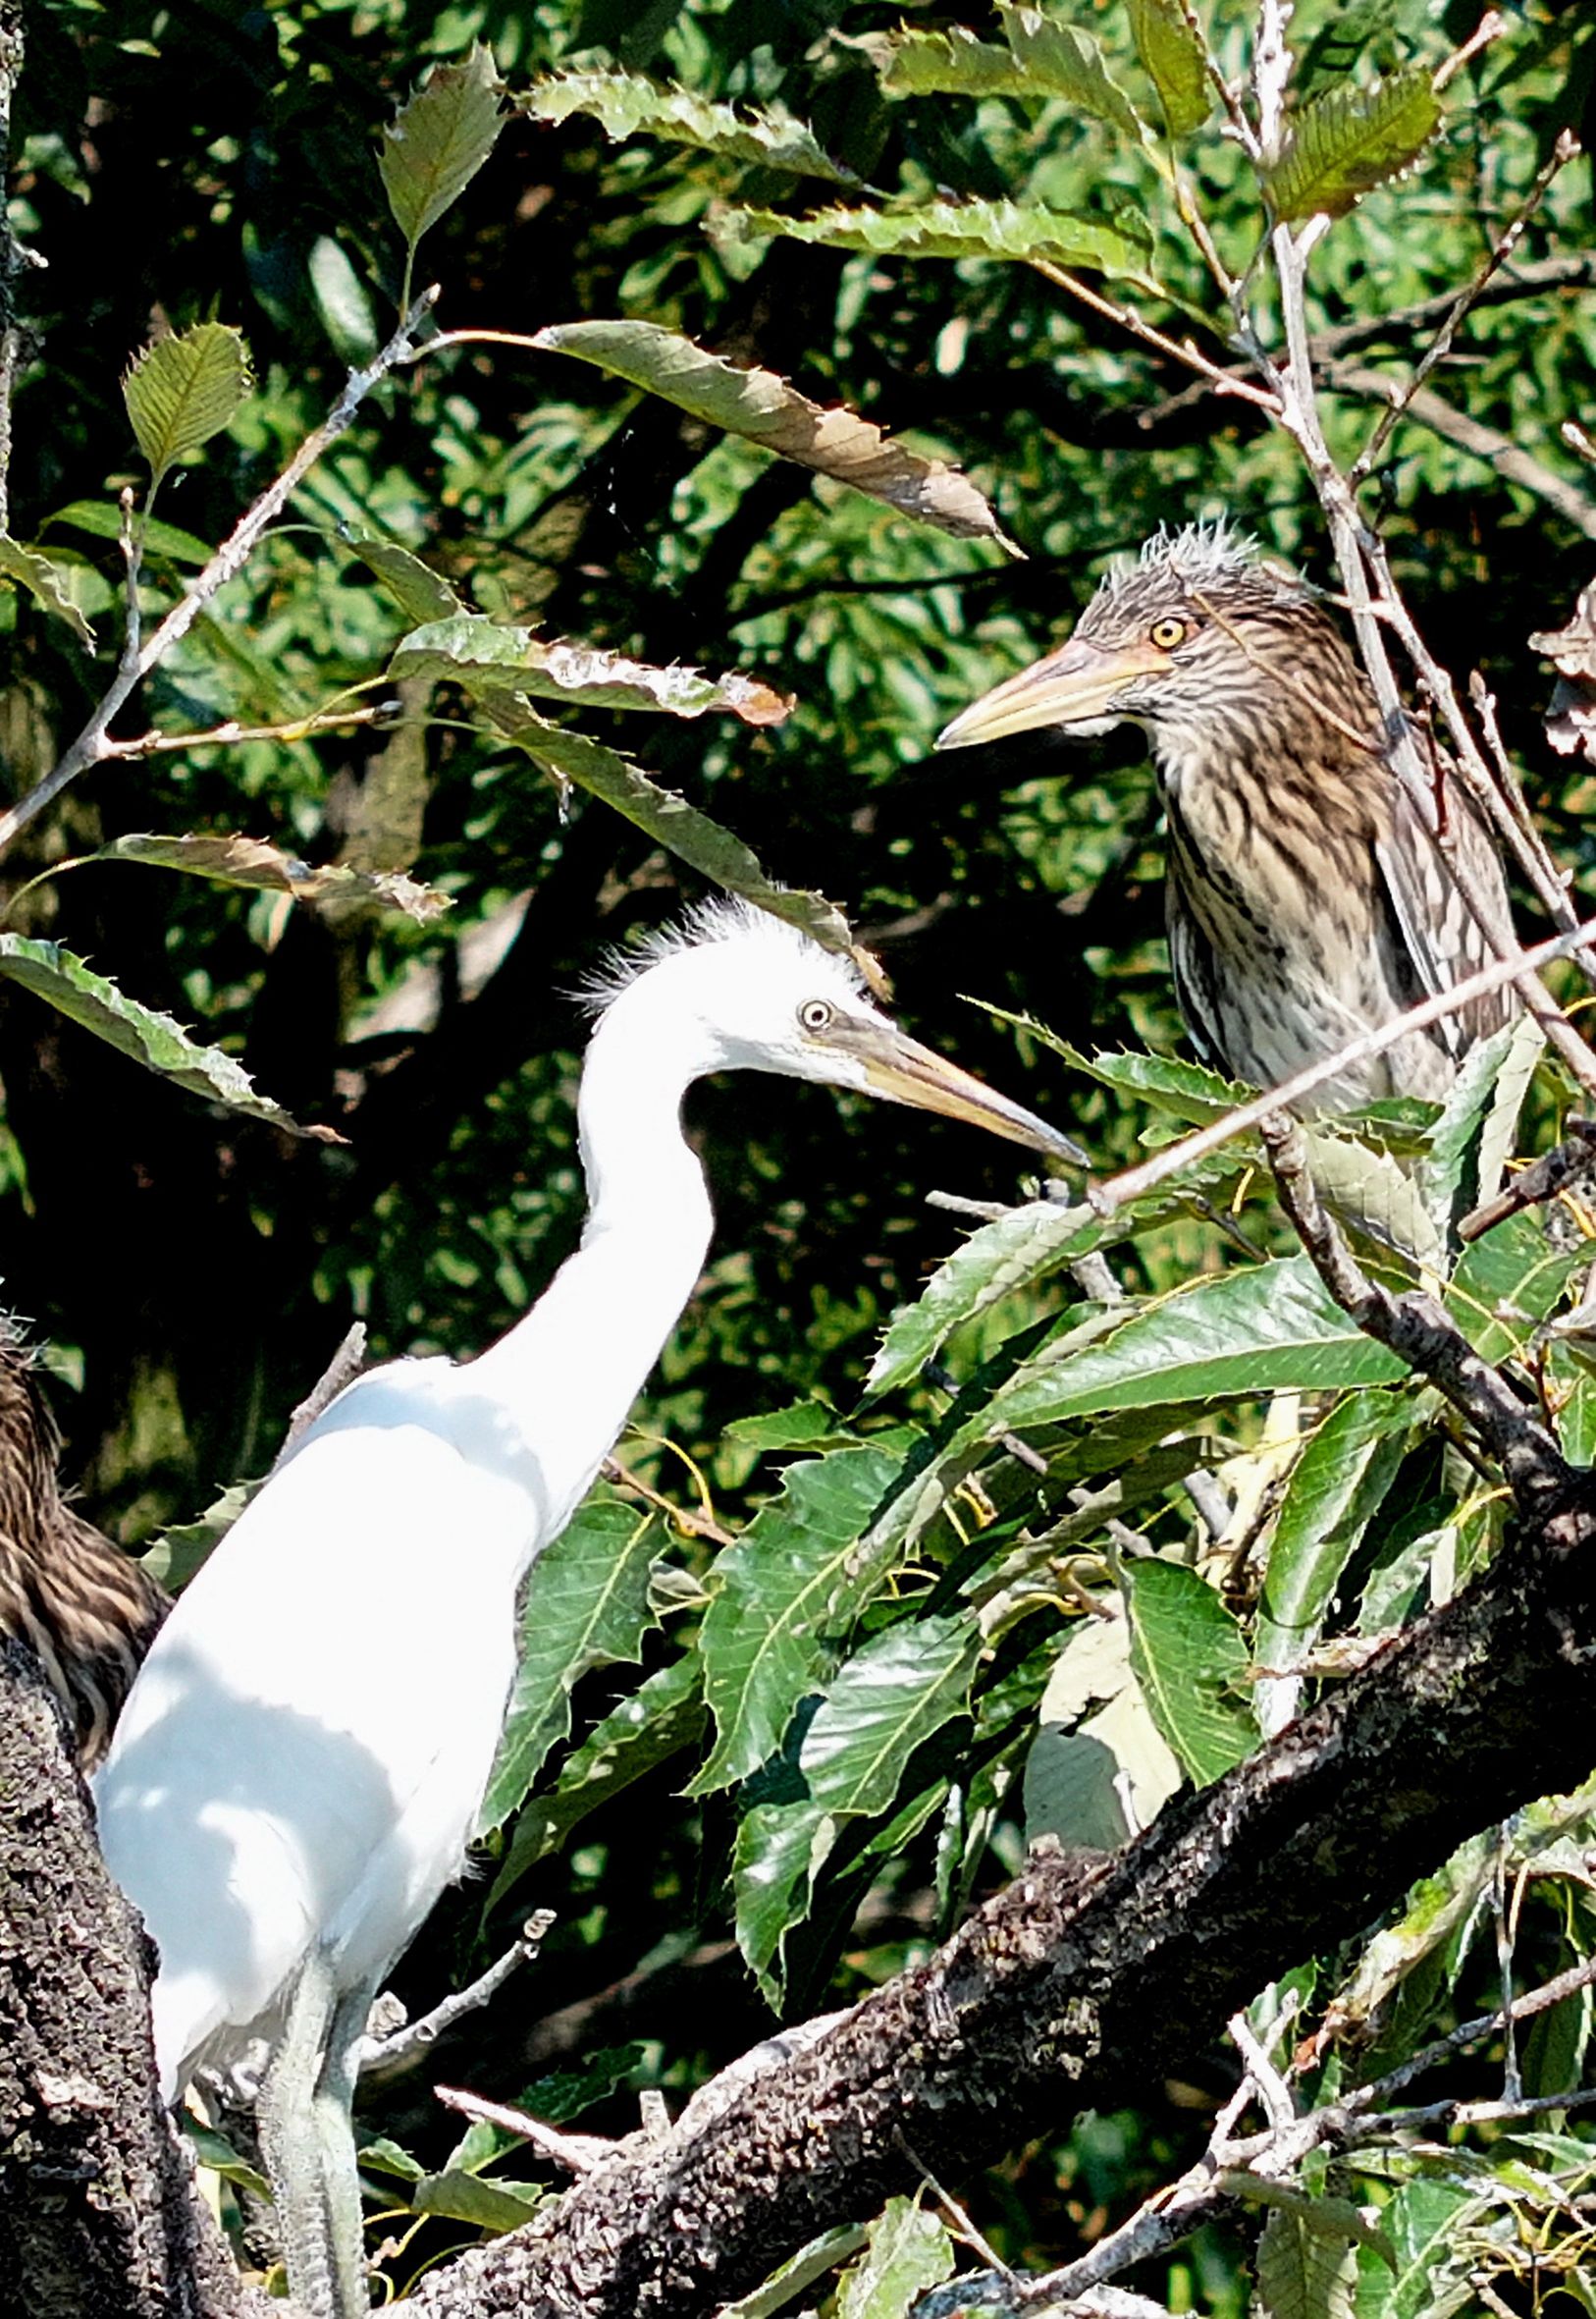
column 577, row 2153
column 1182, row 351
column 1498, row 450
column 410, row 2044
column 1107, row 1199
column 230, row 733
column 1570, row 1161
column 344, row 1366
column 91, row 746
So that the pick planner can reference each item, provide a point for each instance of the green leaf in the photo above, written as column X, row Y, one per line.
column 1375, row 1195
column 625, row 104
column 1191, row 1663
column 1335, row 1489
column 341, row 303
column 183, row 390
column 1188, row 1092
column 658, row 1719
column 586, row 1606
column 214, row 2150
column 1175, row 61
column 485, row 656
column 764, row 408
column 1057, row 60
column 437, row 142
column 1424, row 2223
column 45, row 582
column 1261, row 1329
column 488, row 2204
column 421, row 594
column 1000, row 230
column 953, row 63
column 801, row 1424
column 691, row 836
column 184, row 1547
column 1506, row 1282
column 1306, row 2268
column 1490, row 1087
column 160, row 539
column 1097, row 1746
column 908, row 2251
column 1333, row 53
column 1346, row 142
column 66, row 983
column 886, row 1702
column 1011, row 1251
column 257, row 866
column 782, row 1593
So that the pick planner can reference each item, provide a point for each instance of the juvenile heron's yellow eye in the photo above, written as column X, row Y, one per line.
column 1167, row 634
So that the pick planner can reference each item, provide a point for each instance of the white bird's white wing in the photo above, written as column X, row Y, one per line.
column 279, row 1763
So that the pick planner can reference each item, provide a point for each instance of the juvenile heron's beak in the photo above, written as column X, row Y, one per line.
column 1074, row 687
column 905, row 1072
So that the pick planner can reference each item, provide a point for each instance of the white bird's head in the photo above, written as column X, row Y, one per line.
column 733, row 987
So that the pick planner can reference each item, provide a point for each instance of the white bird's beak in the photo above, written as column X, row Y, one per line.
column 899, row 1069
column 1074, row 687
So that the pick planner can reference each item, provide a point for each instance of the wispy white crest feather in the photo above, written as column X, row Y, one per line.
column 722, row 918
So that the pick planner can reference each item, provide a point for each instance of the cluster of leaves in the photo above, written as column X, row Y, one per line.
column 975, row 1607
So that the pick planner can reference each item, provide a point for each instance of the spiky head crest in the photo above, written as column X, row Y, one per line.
column 709, row 925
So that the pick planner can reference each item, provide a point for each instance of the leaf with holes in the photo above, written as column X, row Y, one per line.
column 439, row 139
column 764, row 409
column 68, row 984
column 625, row 104
column 1346, row 142
column 184, row 389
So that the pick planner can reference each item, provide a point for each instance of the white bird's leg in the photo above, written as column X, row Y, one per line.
column 307, row 2139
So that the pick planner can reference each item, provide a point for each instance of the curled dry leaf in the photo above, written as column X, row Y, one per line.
column 1571, row 719
column 484, row 655
column 767, row 409
column 231, row 860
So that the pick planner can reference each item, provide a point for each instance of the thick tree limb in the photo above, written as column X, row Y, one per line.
column 1078, row 1985
column 97, row 2220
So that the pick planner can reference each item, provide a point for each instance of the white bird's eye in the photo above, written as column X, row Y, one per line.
column 815, row 1014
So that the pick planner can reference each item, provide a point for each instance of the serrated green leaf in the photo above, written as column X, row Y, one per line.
column 487, row 657
column 1334, row 1491
column 256, row 866
column 1191, row 1663
column 1489, row 1088
column 1061, row 61
column 778, row 1850
column 184, row 389
column 439, row 139
column 1376, row 1196
column 1261, row 1329
column 45, row 582
column 664, row 1714
column 1424, row 2223
column 998, row 230
column 487, row 2203
column 625, row 104
column 1346, row 142
column 703, row 843
column 764, row 408
column 66, row 983
column 1506, row 1282
column 954, row 63
column 214, row 2150
column 421, row 594
column 782, row 1593
column 1011, row 1251
column 908, row 2251
column 801, row 1424
column 184, row 1547
column 586, row 1606
column 1173, row 58
column 1333, row 53
column 881, row 1706
column 1184, row 1091
column 341, row 303
column 1303, row 2272
column 1499, row 1136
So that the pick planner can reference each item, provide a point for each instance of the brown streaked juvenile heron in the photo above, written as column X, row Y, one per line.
column 1306, row 901
column 86, row 1609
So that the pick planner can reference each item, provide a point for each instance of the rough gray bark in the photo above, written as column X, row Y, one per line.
column 96, row 2216
column 1076, row 1987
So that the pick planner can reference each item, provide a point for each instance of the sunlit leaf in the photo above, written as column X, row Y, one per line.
column 624, row 104
column 253, row 863
column 1192, row 1662
column 421, row 594
column 1346, row 142
column 1001, row 229
column 1306, row 2267
column 1059, row 60
column 68, row 984
column 1173, row 58
column 184, row 389
column 439, row 139
column 908, row 2251
column 342, row 302
column 764, row 409
column 467, row 646
column 45, row 581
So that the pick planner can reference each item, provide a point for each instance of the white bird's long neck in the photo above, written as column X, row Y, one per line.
column 564, row 1380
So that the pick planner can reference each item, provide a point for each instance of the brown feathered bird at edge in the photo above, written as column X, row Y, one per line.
column 84, row 1606
column 1306, row 900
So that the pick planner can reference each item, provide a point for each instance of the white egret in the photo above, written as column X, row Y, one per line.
column 296, row 1775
